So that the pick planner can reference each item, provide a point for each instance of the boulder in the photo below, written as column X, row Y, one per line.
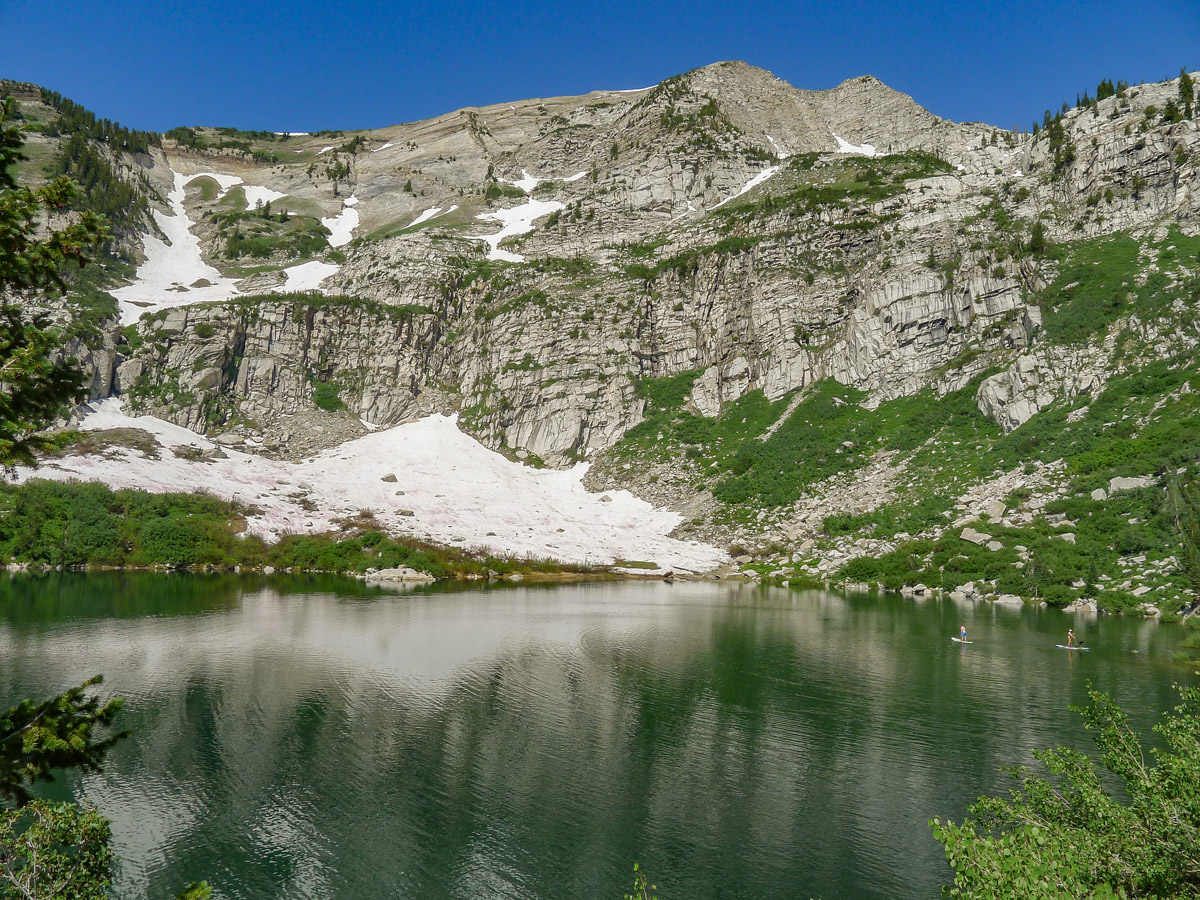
column 975, row 537
column 399, row 574
column 1130, row 484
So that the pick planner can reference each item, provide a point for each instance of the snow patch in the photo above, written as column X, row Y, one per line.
column 860, row 149
column 384, row 147
column 574, row 177
column 425, row 216
column 307, row 276
column 255, row 194
column 779, row 151
column 341, row 226
column 453, row 487
column 518, row 220
column 526, row 182
column 751, row 184
column 173, row 272
column 324, row 150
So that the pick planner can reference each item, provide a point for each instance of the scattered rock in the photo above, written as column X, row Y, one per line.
column 975, row 537
column 390, row 478
column 1130, row 484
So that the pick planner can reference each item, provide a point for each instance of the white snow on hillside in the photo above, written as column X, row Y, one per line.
column 307, row 276
column 384, row 147
column 518, row 220
column 425, row 216
column 860, row 149
column 574, row 177
column 224, row 182
column 173, row 272
column 779, row 151
column 458, row 492
column 750, row 185
column 526, row 182
column 324, row 150
column 341, row 226
column 256, row 194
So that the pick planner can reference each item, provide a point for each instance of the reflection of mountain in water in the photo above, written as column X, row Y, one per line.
column 534, row 743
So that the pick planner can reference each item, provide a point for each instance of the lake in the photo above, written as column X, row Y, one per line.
column 310, row 737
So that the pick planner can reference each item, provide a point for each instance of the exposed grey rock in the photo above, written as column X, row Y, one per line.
column 975, row 537
column 1130, row 484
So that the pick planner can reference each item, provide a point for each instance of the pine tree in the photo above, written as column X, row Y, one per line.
column 1186, row 93
column 37, row 739
column 32, row 264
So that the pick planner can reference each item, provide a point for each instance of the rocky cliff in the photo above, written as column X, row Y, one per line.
column 632, row 277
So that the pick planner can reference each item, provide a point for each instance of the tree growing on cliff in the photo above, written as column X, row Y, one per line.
column 34, row 386
column 1069, row 836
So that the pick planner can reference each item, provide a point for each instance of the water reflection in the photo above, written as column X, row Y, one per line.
column 315, row 739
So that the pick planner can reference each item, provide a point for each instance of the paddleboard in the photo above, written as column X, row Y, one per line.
column 961, row 641
column 1065, row 647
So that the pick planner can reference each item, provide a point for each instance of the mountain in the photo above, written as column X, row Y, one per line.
column 836, row 334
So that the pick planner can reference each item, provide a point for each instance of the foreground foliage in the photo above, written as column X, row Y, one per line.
column 74, row 524
column 52, row 850
column 32, row 263
column 1070, row 836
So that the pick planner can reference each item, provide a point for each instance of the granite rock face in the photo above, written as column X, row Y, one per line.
column 722, row 223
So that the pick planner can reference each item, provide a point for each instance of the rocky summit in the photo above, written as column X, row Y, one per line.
column 839, row 337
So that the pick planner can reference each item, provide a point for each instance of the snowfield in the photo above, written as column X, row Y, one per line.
column 307, row 276
column 256, row 194
column 518, row 220
column 860, row 149
column 173, row 272
column 448, row 488
column 341, row 227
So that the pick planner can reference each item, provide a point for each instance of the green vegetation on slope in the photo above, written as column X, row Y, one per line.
column 1104, row 279
column 81, row 524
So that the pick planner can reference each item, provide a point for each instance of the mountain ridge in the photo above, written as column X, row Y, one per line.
column 666, row 266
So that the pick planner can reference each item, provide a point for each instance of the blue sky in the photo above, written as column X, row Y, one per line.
column 305, row 65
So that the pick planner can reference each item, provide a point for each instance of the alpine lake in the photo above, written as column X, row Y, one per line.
column 307, row 737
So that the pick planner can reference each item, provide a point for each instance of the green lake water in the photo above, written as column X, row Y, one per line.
column 310, row 738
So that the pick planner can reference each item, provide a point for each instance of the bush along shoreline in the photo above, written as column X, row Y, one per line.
column 86, row 525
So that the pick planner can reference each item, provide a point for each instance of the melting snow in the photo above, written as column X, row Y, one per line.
column 384, row 147
column 518, row 220
column 254, row 194
column 425, row 216
column 861, row 150
column 324, row 150
column 307, row 276
column 342, row 226
column 574, row 177
column 170, row 273
column 454, row 486
column 526, row 182
column 751, row 184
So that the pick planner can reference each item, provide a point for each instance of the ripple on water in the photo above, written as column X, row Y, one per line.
column 534, row 743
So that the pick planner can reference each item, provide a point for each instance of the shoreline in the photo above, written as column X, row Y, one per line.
column 413, row 578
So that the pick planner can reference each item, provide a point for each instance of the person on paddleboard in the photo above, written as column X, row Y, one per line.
column 1071, row 640
column 962, row 633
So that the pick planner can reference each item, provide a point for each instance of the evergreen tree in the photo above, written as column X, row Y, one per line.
column 60, row 733
column 33, row 262
column 1186, row 93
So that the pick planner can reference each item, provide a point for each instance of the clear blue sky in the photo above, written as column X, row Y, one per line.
column 305, row 65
